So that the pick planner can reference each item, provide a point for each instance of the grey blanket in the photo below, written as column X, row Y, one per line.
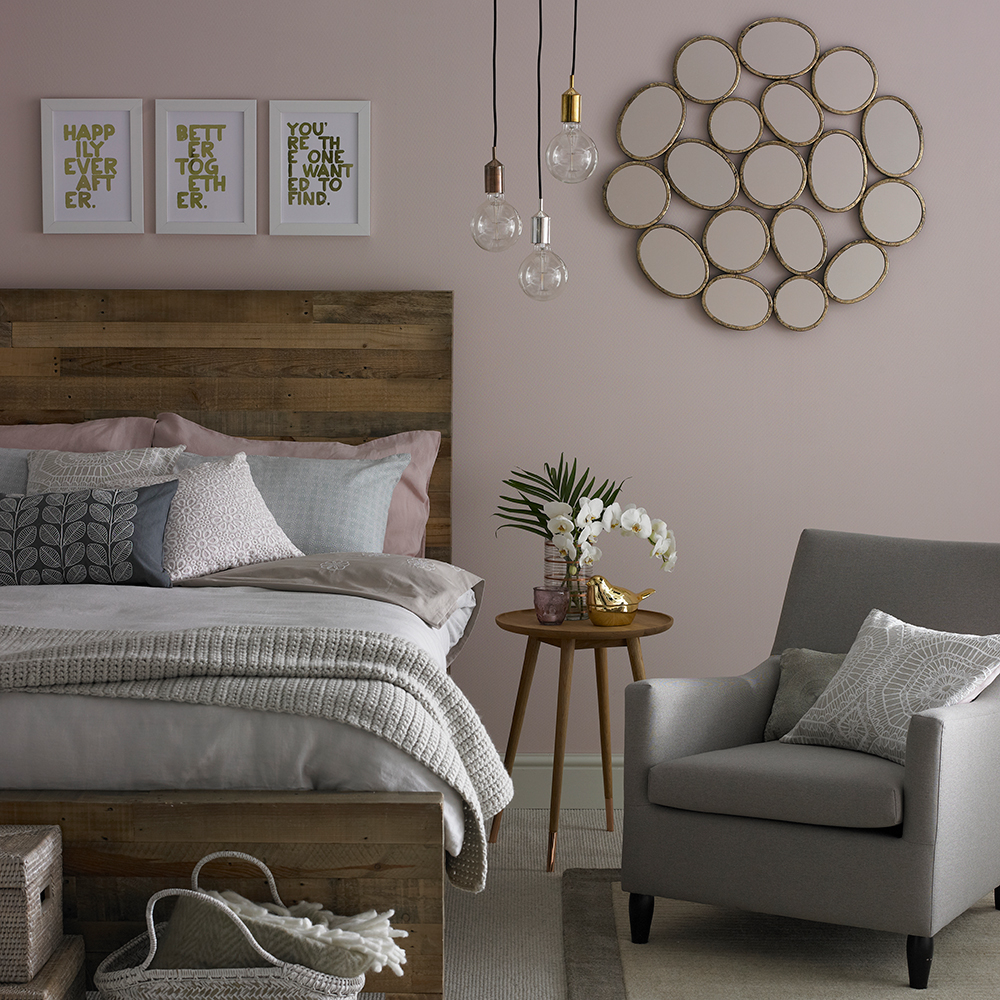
column 371, row 680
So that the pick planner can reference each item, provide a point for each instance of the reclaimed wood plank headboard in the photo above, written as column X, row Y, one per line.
column 293, row 365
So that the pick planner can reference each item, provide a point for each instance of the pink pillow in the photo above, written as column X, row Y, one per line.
column 410, row 506
column 106, row 434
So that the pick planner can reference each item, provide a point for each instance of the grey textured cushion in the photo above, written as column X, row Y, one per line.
column 49, row 471
column 326, row 505
column 805, row 674
column 821, row 786
column 14, row 470
column 893, row 671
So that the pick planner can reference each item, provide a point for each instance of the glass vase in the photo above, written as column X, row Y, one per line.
column 569, row 574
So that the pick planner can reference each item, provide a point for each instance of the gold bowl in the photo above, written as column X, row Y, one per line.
column 608, row 605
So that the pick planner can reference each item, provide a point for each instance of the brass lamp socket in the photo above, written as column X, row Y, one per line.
column 494, row 175
column 571, row 104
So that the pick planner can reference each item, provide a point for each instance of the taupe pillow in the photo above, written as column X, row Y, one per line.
column 805, row 674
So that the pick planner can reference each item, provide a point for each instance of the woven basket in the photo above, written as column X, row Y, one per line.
column 126, row 973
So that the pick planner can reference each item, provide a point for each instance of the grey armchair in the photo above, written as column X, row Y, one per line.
column 715, row 815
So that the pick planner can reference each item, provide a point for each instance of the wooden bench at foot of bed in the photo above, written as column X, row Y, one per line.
column 350, row 851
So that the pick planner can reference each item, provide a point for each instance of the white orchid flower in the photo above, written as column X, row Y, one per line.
column 589, row 554
column 635, row 521
column 590, row 511
column 556, row 508
column 659, row 531
column 589, row 532
column 670, row 562
column 664, row 545
column 564, row 543
column 611, row 519
column 560, row 525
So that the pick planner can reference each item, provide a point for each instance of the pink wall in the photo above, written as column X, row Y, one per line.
column 883, row 419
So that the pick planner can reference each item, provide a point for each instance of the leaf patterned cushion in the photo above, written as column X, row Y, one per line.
column 110, row 536
column 69, row 470
column 218, row 520
column 892, row 672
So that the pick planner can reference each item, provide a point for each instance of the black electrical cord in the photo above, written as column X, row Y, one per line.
column 494, row 74
column 539, row 82
column 573, row 69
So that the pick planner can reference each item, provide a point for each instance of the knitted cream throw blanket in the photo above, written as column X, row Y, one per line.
column 370, row 680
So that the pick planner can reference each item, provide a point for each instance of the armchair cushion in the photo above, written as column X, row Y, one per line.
column 893, row 671
column 821, row 786
column 805, row 674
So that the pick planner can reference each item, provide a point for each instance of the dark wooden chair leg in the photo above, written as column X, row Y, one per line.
column 640, row 916
column 996, row 897
column 919, row 952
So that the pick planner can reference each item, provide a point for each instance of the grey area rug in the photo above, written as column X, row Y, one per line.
column 698, row 952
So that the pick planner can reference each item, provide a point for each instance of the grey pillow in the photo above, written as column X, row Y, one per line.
column 49, row 471
column 110, row 536
column 14, row 470
column 325, row 505
column 805, row 674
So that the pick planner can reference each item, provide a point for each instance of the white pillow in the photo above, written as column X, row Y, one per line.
column 892, row 672
column 63, row 471
column 219, row 520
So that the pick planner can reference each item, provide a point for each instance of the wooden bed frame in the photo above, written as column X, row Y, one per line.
column 293, row 365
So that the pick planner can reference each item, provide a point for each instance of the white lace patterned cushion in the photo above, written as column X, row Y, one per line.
column 61, row 471
column 892, row 672
column 219, row 520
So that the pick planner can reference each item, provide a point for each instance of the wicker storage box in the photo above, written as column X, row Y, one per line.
column 62, row 977
column 30, row 899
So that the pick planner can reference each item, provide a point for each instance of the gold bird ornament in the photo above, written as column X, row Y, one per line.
column 610, row 605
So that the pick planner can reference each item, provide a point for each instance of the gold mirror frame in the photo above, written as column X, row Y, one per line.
column 687, row 243
column 786, row 72
column 724, row 86
column 713, row 156
column 859, row 249
column 878, row 161
column 790, row 86
column 725, row 217
column 726, row 106
column 798, row 284
column 644, row 95
column 834, row 55
column 655, row 212
column 892, row 187
column 733, row 322
column 786, row 213
column 834, row 137
column 753, row 191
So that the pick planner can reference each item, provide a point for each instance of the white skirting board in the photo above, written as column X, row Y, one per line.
column 583, row 784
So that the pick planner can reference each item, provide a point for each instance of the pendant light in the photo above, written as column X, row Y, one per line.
column 572, row 155
column 542, row 273
column 496, row 224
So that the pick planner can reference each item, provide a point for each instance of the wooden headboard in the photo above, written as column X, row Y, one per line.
column 294, row 365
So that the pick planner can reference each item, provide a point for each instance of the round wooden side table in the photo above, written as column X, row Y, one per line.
column 569, row 637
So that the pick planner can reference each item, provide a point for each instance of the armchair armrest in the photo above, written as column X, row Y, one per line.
column 951, row 785
column 669, row 717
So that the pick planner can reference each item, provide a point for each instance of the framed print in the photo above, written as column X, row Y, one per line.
column 92, row 165
column 206, row 167
column 320, row 168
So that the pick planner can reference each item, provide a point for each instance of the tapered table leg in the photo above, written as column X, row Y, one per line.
column 635, row 658
column 523, row 689
column 566, row 650
column 604, row 713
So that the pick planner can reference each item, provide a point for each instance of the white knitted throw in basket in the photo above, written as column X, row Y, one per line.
column 210, row 953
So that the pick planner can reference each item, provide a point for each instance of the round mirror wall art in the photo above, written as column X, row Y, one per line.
column 814, row 137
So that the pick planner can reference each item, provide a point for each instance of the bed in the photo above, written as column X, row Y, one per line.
column 290, row 702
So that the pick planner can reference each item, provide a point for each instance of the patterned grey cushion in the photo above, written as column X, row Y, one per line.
column 14, row 470
column 805, row 674
column 71, row 470
column 110, row 536
column 892, row 672
column 326, row 505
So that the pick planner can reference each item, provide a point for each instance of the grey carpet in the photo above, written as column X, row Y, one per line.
column 698, row 952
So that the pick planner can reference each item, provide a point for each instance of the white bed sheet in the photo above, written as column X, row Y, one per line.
column 78, row 742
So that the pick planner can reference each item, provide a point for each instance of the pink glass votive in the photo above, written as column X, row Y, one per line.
column 551, row 605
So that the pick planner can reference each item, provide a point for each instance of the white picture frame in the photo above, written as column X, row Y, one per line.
column 92, row 165
column 320, row 168
column 206, row 167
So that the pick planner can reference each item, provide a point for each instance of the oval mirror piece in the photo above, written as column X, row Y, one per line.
column 838, row 171
column 855, row 271
column 844, row 80
column 672, row 261
column 773, row 175
column 706, row 69
column 792, row 113
column 736, row 239
column 798, row 239
column 735, row 125
column 636, row 195
column 778, row 48
column 736, row 301
column 650, row 121
column 892, row 212
column 701, row 175
column 800, row 303
column 892, row 136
